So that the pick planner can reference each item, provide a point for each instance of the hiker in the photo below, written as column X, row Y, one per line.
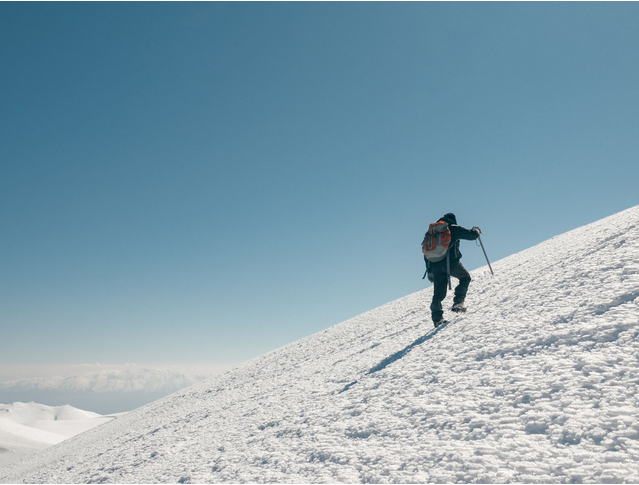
column 438, row 271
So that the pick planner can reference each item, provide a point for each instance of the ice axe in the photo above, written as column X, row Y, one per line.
column 482, row 248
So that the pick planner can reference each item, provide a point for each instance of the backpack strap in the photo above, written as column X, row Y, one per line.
column 427, row 266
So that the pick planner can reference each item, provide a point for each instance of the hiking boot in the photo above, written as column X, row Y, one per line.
column 458, row 308
column 439, row 322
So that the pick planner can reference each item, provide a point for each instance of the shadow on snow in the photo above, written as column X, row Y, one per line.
column 397, row 355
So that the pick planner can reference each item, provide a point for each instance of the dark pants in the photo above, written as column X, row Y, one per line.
column 441, row 287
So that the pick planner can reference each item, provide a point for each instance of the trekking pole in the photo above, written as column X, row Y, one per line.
column 485, row 255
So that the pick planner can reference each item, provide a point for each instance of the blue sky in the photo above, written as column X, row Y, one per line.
column 205, row 182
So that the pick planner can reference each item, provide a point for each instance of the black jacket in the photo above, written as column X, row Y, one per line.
column 457, row 233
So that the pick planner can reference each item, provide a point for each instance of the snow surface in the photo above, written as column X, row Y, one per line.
column 536, row 383
column 26, row 428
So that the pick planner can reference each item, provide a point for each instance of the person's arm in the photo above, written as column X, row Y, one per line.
column 462, row 233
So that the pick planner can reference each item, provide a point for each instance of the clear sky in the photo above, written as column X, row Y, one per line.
column 205, row 182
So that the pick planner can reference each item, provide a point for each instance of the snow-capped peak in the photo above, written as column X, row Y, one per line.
column 27, row 428
column 30, row 413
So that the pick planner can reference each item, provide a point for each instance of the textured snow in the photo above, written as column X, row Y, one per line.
column 536, row 383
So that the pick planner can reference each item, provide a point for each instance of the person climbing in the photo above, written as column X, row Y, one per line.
column 442, row 256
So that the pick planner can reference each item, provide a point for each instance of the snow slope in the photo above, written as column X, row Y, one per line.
column 26, row 428
column 536, row 383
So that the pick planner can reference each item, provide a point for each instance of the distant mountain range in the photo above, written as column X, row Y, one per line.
column 106, row 391
column 131, row 379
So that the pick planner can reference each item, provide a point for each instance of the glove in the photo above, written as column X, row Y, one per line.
column 476, row 229
column 431, row 278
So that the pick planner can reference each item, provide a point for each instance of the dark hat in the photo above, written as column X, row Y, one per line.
column 450, row 218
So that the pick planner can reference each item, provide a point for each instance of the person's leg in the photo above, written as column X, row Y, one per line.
column 439, row 293
column 461, row 289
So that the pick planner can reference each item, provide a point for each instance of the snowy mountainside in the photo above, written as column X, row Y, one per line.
column 26, row 428
column 31, row 413
column 536, row 383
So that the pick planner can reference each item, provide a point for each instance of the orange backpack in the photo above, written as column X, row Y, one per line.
column 436, row 241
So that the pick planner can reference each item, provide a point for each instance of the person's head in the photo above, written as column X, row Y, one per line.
column 450, row 218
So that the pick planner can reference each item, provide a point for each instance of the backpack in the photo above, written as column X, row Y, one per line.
column 436, row 241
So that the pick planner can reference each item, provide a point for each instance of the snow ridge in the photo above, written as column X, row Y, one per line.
column 536, row 383
column 26, row 428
